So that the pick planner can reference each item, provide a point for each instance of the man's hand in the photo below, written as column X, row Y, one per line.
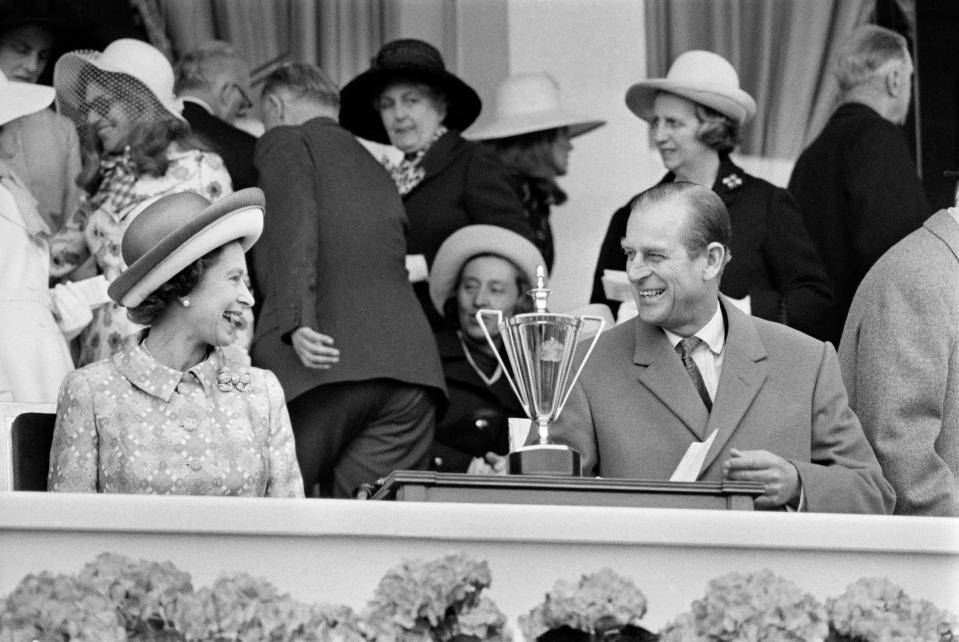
column 780, row 477
column 315, row 350
column 489, row 464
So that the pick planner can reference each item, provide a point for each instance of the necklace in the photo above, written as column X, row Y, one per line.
column 143, row 346
column 490, row 380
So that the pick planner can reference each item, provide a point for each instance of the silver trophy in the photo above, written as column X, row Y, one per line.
column 541, row 347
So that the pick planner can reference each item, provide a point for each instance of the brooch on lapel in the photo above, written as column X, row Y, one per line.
column 732, row 181
column 241, row 380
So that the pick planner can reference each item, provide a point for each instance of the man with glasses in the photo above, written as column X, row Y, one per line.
column 213, row 82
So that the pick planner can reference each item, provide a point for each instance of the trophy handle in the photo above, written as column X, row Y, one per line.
column 492, row 344
column 582, row 364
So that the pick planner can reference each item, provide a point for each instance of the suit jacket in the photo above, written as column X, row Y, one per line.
column 634, row 411
column 234, row 145
column 464, row 183
column 859, row 194
column 774, row 261
column 900, row 363
column 332, row 257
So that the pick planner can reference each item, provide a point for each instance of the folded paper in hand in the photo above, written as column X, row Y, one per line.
column 616, row 285
column 92, row 290
column 691, row 463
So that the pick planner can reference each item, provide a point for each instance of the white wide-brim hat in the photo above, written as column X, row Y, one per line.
column 528, row 103
column 700, row 76
column 20, row 98
column 473, row 240
column 134, row 65
column 177, row 229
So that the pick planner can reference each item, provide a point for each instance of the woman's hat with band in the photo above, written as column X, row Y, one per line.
column 473, row 240
column 700, row 76
column 412, row 60
column 529, row 103
column 175, row 230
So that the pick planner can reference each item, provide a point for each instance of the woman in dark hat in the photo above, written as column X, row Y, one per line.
column 42, row 147
column 170, row 413
column 477, row 267
column 409, row 99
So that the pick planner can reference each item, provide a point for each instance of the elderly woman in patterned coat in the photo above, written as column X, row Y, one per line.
column 171, row 412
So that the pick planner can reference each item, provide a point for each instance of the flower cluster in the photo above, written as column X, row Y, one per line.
column 596, row 604
column 436, row 600
column 751, row 607
column 876, row 610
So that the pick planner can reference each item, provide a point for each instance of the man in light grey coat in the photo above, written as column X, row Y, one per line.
column 900, row 362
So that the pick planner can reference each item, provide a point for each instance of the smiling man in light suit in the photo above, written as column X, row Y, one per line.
column 691, row 364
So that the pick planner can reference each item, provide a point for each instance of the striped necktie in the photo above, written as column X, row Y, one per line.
column 685, row 349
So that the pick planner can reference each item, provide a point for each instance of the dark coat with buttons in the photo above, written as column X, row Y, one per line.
column 773, row 258
column 464, row 183
column 476, row 421
column 332, row 258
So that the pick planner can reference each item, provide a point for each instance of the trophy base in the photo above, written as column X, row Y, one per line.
column 549, row 459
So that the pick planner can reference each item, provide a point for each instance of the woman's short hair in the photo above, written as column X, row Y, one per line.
column 177, row 287
column 523, row 305
column 717, row 131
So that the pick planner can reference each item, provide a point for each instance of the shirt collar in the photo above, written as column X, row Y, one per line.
column 197, row 101
column 713, row 334
column 954, row 212
column 154, row 378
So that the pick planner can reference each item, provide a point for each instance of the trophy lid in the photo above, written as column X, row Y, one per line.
column 540, row 293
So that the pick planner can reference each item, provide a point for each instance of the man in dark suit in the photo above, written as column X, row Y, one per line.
column 766, row 401
column 856, row 184
column 213, row 82
column 340, row 325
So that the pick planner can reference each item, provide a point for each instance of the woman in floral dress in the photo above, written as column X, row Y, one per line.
column 137, row 148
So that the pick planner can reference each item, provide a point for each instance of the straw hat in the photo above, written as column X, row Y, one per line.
column 470, row 241
column 530, row 103
column 702, row 77
column 20, row 98
column 404, row 59
column 132, row 69
column 176, row 230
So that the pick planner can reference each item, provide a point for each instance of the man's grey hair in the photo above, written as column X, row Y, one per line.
column 198, row 69
column 865, row 52
column 303, row 80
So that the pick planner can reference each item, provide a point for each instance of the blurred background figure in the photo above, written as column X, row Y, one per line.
column 170, row 413
column 214, row 83
column 856, row 183
column 478, row 267
column 531, row 133
column 41, row 147
column 136, row 147
column 34, row 356
column 695, row 115
column 409, row 99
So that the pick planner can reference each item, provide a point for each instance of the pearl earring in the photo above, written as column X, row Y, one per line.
column 185, row 302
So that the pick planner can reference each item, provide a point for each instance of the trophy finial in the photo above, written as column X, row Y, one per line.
column 540, row 293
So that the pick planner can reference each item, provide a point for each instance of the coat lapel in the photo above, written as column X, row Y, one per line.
column 744, row 372
column 661, row 371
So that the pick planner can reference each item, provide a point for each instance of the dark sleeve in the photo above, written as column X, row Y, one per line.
column 886, row 198
column 611, row 256
column 292, row 218
column 795, row 268
column 489, row 195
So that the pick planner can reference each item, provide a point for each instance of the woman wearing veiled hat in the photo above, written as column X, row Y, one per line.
column 478, row 267
column 531, row 133
column 408, row 99
column 170, row 412
column 695, row 115
column 41, row 147
column 136, row 148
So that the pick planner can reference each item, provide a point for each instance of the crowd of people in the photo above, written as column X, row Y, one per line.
column 280, row 313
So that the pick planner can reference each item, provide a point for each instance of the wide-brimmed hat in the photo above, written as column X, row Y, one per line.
column 21, row 98
column 129, row 69
column 702, row 77
column 175, row 230
column 473, row 240
column 529, row 103
column 407, row 59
